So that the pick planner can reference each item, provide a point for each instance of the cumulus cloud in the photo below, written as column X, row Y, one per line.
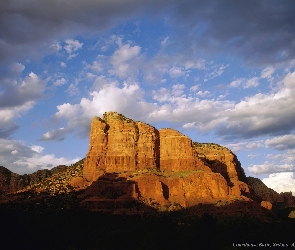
column 60, row 82
column 281, row 142
column 55, row 135
column 8, row 117
column 109, row 97
column 17, row 96
column 72, row 46
column 270, row 167
column 262, row 114
column 195, row 88
column 281, row 182
column 21, row 158
column 121, row 59
column 15, row 92
column 176, row 72
column 205, row 93
column 244, row 145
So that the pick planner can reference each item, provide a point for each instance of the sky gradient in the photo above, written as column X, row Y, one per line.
column 217, row 71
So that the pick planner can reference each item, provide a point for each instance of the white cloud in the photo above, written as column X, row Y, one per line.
column 109, row 98
column 196, row 64
column 63, row 64
column 37, row 148
column 73, row 90
column 23, row 159
column 218, row 70
column 16, row 93
column 14, row 152
column 195, row 88
column 236, row 83
column 8, row 117
column 246, row 83
column 67, row 111
column 72, row 45
column 281, row 142
column 121, row 59
column 60, row 82
column 262, row 113
column 96, row 66
column 244, row 145
column 281, row 182
column 176, row 72
column 17, row 97
column 267, row 72
column 56, row 46
column 178, row 89
column 204, row 93
column 55, row 135
column 252, row 82
column 165, row 41
column 270, row 167
column 161, row 95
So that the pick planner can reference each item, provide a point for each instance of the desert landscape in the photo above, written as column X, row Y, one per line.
column 136, row 176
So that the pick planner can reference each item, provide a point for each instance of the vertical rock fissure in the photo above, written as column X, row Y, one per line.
column 157, row 149
column 106, row 132
column 136, row 145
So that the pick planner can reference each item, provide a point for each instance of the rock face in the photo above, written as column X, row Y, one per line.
column 119, row 144
column 177, row 153
column 160, row 168
column 222, row 160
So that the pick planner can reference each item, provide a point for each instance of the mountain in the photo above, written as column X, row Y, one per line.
column 133, row 168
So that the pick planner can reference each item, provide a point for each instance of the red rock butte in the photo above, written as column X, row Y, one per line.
column 158, row 167
column 119, row 144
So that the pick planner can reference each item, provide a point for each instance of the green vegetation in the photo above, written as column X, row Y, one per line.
column 166, row 174
column 120, row 117
column 292, row 215
column 207, row 145
column 58, row 183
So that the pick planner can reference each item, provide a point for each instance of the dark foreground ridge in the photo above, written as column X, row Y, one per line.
column 94, row 230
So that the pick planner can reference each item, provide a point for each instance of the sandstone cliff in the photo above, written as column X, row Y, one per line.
column 119, row 144
column 161, row 168
column 224, row 161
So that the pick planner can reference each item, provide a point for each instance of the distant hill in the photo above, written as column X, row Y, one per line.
column 265, row 193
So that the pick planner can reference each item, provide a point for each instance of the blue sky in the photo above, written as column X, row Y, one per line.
column 218, row 71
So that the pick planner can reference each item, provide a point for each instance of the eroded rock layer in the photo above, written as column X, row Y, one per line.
column 177, row 153
column 119, row 144
column 160, row 168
